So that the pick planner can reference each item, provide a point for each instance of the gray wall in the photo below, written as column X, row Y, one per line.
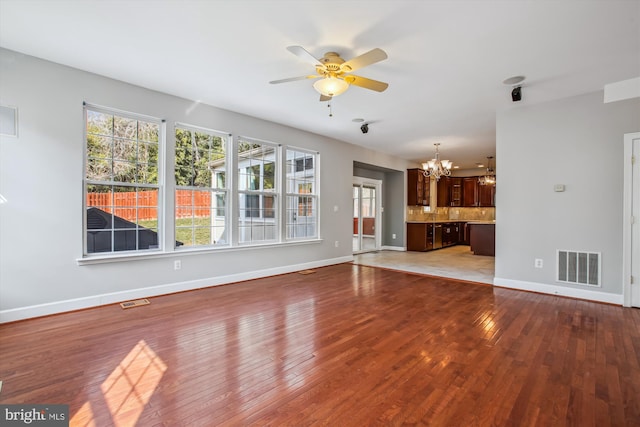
column 393, row 201
column 395, row 204
column 577, row 142
column 41, row 177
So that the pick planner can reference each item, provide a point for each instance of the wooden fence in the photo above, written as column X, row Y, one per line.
column 143, row 205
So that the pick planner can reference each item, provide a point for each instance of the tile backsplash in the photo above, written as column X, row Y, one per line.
column 416, row 213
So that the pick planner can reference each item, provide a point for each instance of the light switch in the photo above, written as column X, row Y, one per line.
column 558, row 188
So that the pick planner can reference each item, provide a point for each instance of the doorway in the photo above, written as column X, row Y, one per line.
column 366, row 215
column 631, row 223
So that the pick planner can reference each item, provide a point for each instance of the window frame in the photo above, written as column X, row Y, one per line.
column 214, row 190
column 244, row 189
column 166, row 184
column 314, row 196
column 159, row 186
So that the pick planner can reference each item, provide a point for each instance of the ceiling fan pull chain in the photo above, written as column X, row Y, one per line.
column 330, row 109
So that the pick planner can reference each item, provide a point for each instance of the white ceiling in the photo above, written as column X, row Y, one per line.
column 447, row 59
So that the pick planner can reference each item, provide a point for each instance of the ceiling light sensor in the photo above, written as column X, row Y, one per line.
column 516, row 82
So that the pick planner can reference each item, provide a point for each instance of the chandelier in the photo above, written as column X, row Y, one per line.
column 436, row 167
column 490, row 177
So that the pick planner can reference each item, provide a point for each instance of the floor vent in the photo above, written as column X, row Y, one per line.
column 582, row 268
column 135, row 303
column 306, row 271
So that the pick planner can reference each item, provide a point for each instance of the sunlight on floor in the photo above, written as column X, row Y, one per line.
column 128, row 388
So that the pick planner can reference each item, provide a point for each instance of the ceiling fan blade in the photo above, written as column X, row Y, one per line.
column 293, row 79
column 371, row 57
column 325, row 98
column 366, row 83
column 302, row 53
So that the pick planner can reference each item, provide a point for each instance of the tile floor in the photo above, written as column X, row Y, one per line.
column 457, row 262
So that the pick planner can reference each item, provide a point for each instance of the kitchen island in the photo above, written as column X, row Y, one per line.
column 482, row 237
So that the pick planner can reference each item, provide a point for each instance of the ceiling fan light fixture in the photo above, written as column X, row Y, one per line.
column 331, row 86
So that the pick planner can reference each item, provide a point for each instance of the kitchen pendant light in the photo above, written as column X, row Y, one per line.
column 436, row 167
column 490, row 177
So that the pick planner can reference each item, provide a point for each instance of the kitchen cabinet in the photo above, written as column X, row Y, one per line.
column 470, row 191
column 482, row 238
column 443, row 188
column 455, row 192
column 465, row 192
column 418, row 188
column 427, row 236
column 419, row 236
column 487, row 195
column 449, row 234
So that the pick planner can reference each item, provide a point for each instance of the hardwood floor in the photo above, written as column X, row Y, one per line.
column 348, row 345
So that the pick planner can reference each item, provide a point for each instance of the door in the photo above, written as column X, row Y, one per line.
column 631, row 224
column 366, row 220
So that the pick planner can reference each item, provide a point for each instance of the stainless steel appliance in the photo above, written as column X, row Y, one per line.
column 437, row 236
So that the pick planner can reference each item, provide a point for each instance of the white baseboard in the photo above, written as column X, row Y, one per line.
column 393, row 248
column 586, row 294
column 56, row 307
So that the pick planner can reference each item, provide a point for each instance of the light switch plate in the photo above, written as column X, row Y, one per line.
column 558, row 188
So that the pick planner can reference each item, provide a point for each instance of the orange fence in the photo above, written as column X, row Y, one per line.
column 125, row 205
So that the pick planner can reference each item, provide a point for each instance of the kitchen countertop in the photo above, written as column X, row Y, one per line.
column 482, row 222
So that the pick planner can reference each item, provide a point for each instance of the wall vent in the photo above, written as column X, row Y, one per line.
column 135, row 303
column 581, row 268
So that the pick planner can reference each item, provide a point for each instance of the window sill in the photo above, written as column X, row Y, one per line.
column 105, row 259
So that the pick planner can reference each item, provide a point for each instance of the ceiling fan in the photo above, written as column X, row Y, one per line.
column 333, row 72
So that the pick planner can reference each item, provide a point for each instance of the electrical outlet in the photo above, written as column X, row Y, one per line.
column 177, row 264
column 337, row 243
column 538, row 263
column 393, row 236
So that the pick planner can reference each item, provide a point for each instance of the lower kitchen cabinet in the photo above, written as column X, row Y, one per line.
column 419, row 236
column 426, row 236
column 482, row 238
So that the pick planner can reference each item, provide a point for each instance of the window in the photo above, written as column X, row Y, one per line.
column 122, row 183
column 201, row 187
column 302, row 197
column 257, row 191
column 228, row 191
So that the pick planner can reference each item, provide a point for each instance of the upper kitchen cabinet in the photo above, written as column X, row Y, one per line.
column 443, row 195
column 465, row 192
column 418, row 188
column 487, row 195
column 470, row 191
column 455, row 192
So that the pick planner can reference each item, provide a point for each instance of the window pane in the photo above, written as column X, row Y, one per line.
column 197, row 219
column 99, row 123
column 99, row 147
column 268, row 182
column 301, row 217
column 147, row 173
column 98, row 169
column 148, row 131
column 125, row 128
column 124, row 171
